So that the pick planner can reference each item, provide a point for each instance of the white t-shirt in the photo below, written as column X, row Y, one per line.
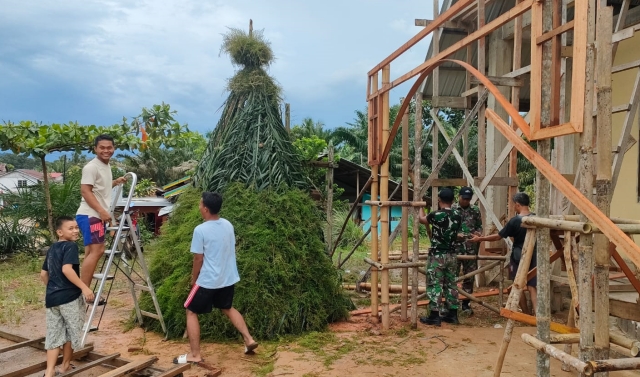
column 217, row 241
column 97, row 174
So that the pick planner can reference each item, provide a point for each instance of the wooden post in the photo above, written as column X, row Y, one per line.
column 374, row 209
column 384, row 195
column 330, row 200
column 515, row 101
column 585, row 251
column 543, row 191
column 435, row 76
column 287, row 117
column 519, row 284
column 603, row 181
column 405, row 214
column 482, row 127
column 417, row 147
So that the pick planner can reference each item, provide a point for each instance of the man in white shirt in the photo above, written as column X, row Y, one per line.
column 95, row 187
column 213, row 276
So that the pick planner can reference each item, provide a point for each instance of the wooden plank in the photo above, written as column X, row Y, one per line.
column 625, row 33
column 498, row 181
column 624, row 243
column 473, row 37
column 555, row 32
column 519, row 72
column 531, row 320
column 469, row 92
column 87, row 366
column 43, row 364
column 614, row 109
column 625, row 310
column 450, row 25
column 26, row 343
column 625, row 67
column 452, row 102
column 624, row 267
column 172, row 372
column 510, row 29
column 134, row 366
column 447, row 15
column 500, row 81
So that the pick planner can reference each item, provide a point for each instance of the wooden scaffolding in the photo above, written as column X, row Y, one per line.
column 571, row 46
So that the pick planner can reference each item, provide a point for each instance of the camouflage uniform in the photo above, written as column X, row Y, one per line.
column 471, row 223
column 441, row 263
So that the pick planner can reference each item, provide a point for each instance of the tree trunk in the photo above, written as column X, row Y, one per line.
column 47, row 196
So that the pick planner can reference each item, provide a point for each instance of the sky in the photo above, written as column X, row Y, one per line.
column 95, row 61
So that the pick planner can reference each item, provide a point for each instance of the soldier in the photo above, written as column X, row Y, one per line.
column 441, row 263
column 471, row 225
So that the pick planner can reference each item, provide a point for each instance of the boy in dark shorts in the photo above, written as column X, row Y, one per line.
column 213, row 277
column 518, row 233
column 63, row 300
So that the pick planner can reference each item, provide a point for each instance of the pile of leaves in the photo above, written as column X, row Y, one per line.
column 288, row 284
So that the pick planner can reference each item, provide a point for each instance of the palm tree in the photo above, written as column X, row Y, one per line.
column 309, row 128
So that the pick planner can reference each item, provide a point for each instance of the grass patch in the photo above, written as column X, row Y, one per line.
column 21, row 289
column 325, row 345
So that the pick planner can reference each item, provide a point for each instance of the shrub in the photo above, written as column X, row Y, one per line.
column 288, row 284
column 16, row 237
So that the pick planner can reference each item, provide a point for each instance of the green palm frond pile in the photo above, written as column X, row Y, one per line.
column 250, row 144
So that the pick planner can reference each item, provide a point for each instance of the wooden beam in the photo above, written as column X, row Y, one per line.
column 26, row 343
column 87, row 366
column 43, row 364
column 451, row 25
column 508, row 30
column 625, row 33
column 500, row 81
column 531, row 320
column 452, row 102
column 473, row 37
column 498, row 181
column 447, row 15
column 624, row 310
column 615, row 235
column 132, row 367
column 469, row 92
column 519, row 72
column 625, row 67
column 555, row 32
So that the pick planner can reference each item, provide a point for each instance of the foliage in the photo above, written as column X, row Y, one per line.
column 20, row 161
column 309, row 148
column 250, row 143
column 38, row 140
column 352, row 232
column 15, row 236
column 288, row 284
column 161, row 164
column 145, row 187
column 310, row 129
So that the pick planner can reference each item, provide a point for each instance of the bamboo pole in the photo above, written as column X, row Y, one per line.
column 585, row 251
column 479, row 270
column 405, row 214
column 515, row 101
column 572, row 338
column 392, row 203
column 542, row 222
column 612, row 365
column 391, row 266
column 330, row 200
column 575, row 364
column 393, row 288
column 417, row 147
column 514, row 297
column 374, row 118
column 603, row 181
column 615, row 220
column 435, row 79
column 570, row 274
column 631, row 344
column 477, row 300
column 626, row 228
column 384, row 195
column 481, row 257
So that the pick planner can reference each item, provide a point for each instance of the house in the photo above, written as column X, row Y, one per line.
column 15, row 179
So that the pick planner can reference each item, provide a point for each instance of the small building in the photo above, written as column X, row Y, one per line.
column 15, row 179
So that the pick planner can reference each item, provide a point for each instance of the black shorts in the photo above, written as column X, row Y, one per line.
column 203, row 300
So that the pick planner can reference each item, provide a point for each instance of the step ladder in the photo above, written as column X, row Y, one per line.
column 124, row 254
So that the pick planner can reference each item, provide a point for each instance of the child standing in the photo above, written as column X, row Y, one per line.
column 63, row 300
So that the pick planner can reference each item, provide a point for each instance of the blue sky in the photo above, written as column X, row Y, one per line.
column 95, row 61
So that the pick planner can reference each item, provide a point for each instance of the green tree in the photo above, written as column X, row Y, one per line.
column 38, row 140
column 20, row 161
column 308, row 128
column 250, row 143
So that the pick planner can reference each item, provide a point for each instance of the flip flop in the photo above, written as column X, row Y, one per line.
column 182, row 359
column 248, row 348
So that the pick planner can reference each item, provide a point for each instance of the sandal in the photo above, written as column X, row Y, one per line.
column 248, row 348
column 182, row 359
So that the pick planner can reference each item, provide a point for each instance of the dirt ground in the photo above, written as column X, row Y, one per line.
column 352, row 348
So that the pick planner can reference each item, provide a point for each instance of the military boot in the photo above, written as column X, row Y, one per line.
column 433, row 319
column 451, row 317
column 466, row 308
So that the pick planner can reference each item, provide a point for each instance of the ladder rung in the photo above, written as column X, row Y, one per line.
column 115, row 228
column 108, row 252
column 142, row 287
column 149, row 314
column 99, row 276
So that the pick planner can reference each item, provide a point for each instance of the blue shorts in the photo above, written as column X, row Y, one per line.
column 92, row 229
